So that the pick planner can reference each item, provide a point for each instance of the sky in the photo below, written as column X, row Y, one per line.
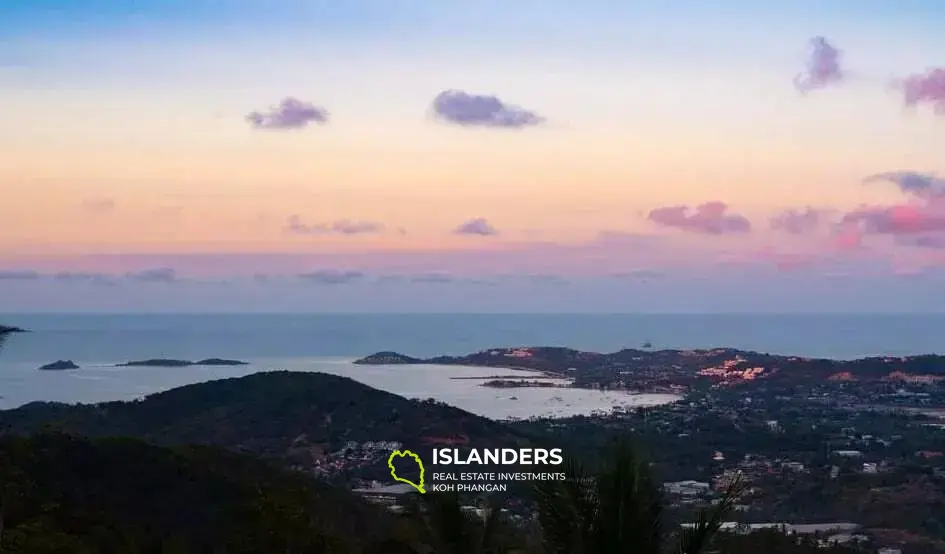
column 419, row 156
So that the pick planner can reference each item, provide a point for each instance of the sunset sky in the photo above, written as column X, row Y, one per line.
column 420, row 155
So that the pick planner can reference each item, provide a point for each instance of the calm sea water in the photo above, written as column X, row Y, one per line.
column 329, row 342
column 123, row 337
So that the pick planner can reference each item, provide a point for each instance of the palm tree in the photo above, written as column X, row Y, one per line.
column 619, row 511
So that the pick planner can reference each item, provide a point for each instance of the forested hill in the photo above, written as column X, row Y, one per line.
column 675, row 366
column 67, row 495
column 271, row 414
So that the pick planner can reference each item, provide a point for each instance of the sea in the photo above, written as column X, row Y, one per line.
column 330, row 342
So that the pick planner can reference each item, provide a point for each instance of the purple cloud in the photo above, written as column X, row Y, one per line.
column 912, row 182
column 295, row 226
column 709, row 218
column 926, row 88
column 639, row 275
column 19, row 275
column 332, row 277
column 84, row 277
column 823, row 67
column 475, row 110
column 159, row 275
column 797, row 222
column 935, row 242
column 546, row 279
column 291, row 113
column 63, row 276
column 433, row 278
column 478, row 226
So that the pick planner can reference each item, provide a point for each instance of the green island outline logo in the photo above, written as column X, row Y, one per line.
column 393, row 472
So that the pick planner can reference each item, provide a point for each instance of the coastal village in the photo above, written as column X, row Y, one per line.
column 836, row 452
column 754, row 469
column 776, row 423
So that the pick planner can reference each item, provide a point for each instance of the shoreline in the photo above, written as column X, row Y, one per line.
column 541, row 376
column 103, row 382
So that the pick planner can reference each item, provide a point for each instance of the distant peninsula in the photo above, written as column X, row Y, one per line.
column 166, row 362
column 60, row 365
column 6, row 329
column 676, row 370
column 519, row 383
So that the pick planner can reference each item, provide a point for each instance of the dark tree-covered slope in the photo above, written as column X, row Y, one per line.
column 64, row 494
column 266, row 413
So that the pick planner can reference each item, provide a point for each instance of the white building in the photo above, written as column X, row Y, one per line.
column 848, row 453
column 687, row 488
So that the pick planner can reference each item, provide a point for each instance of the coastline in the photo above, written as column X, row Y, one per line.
column 103, row 381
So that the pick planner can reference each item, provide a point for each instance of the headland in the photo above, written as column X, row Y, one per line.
column 676, row 371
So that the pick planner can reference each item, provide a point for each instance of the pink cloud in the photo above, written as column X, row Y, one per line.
column 900, row 219
column 694, row 253
column 609, row 253
column 846, row 254
column 849, row 237
column 926, row 88
column 918, row 222
column 296, row 226
column 710, row 218
column 798, row 221
column 823, row 67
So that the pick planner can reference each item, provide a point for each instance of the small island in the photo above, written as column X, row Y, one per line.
column 389, row 358
column 156, row 362
column 519, row 383
column 220, row 361
column 169, row 362
column 6, row 330
column 59, row 365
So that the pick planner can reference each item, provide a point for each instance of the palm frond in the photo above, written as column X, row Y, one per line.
column 630, row 508
column 696, row 539
column 620, row 510
column 567, row 510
